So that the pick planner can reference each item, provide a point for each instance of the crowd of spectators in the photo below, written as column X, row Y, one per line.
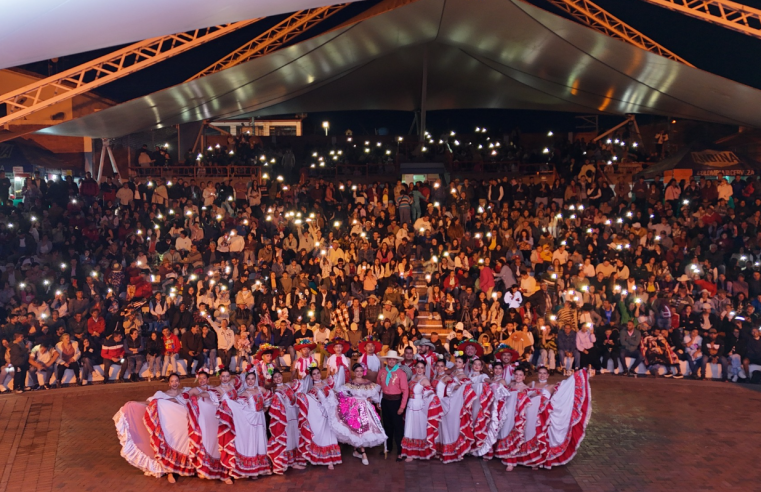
column 580, row 272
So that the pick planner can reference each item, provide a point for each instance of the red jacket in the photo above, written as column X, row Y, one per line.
column 96, row 328
column 172, row 344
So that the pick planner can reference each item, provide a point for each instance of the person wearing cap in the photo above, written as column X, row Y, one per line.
column 393, row 383
column 425, row 352
column 713, row 353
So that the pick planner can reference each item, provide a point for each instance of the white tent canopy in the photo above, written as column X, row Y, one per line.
column 485, row 54
column 35, row 30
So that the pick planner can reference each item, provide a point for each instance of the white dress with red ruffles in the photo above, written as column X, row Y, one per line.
column 421, row 423
column 243, row 435
column 318, row 443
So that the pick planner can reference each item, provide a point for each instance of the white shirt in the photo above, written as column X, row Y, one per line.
column 513, row 300
column 183, row 244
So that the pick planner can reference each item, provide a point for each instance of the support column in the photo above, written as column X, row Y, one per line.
column 102, row 159
column 423, row 96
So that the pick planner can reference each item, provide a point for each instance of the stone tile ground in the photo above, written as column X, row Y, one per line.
column 644, row 435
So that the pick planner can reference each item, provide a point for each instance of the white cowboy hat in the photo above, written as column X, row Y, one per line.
column 392, row 355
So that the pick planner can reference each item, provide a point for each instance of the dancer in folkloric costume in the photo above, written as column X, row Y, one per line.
column 135, row 438
column 318, row 443
column 505, row 432
column 422, row 418
column 353, row 416
column 425, row 352
column 570, row 409
column 393, row 383
column 369, row 347
column 264, row 364
column 167, row 421
column 202, row 403
column 306, row 360
column 471, row 351
column 283, row 445
column 456, row 430
column 243, row 429
column 534, row 445
column 509, row 357
column 338, row 363
column 482, row 405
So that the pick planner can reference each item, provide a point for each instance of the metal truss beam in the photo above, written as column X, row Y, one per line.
column 731, row 15
column 272, row 39
column 600, row 20
column 88, row 76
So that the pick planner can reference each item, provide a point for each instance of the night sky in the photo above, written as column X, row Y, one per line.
column 709, row 47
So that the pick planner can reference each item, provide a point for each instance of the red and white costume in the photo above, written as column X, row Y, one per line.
column 303, row 365
column 370, row 362
column 317, row 441
column 541, row 430
column 421, row 423
column 283, row 446
column 166, row 419
column 135, row 439
column 456, row 428
column 203, row 430
column 243, row 434
column 482, row 407
column 338, row 365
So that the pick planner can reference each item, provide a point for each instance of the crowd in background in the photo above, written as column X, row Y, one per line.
column 580, row 271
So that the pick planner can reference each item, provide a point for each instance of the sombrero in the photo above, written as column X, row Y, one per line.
column 471, row 343
column 502, row 347
column 266, row 348
column 303, row 343
column 363, row 343
column 330, row 347
column 424, row 341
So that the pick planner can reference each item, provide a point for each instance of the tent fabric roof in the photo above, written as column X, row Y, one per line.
column 705, row 160
column 486, row 54
column 43, row 29
column 22, row 152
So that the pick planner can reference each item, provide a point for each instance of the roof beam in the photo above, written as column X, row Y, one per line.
column 52, row 90
column 731, row 15
column 272, row 39
column 600, row 20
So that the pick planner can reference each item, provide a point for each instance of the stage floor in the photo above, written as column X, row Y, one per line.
column 644, row 435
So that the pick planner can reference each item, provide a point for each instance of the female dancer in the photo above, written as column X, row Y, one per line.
column 202, row 403
column 508, row 416
column 243, row 429
column 283, row 446
column 422, row 418
column 481, row 412
column 167, row 422
column 353, row 416
column 318, row 443
column 571, row 407
column 456, row 429
column 530, row 450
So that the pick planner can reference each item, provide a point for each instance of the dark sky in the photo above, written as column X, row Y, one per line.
column 707, row 46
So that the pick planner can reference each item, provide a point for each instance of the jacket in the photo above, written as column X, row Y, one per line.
column 19, row 354
column 191, row 342
column 631, row 342
column 112, row 349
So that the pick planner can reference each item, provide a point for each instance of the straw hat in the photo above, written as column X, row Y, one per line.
column 392, row 354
